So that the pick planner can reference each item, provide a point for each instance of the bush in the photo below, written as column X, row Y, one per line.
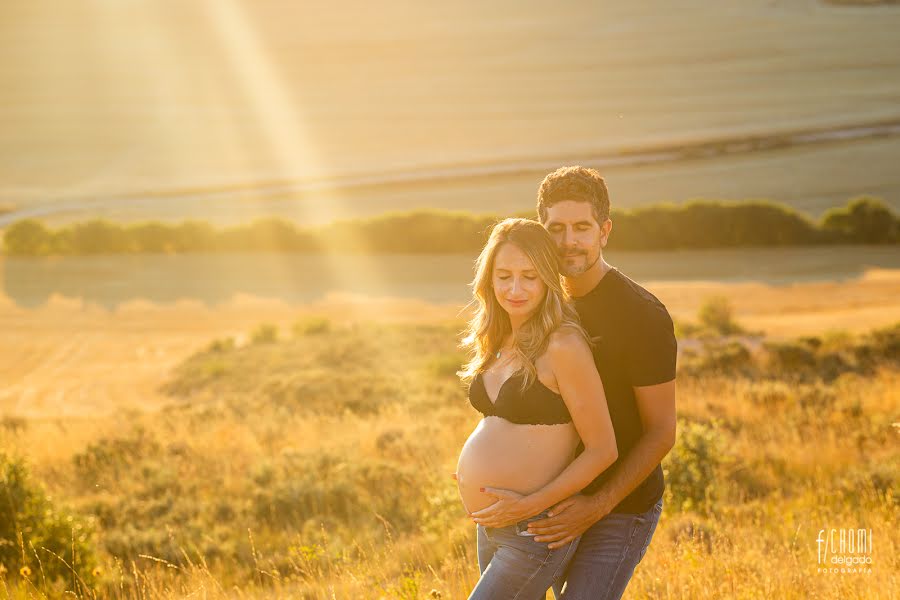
column 717, row 356
column 695, row 224
column 864, row 220
column 37, row 536
column 135, row 487
column 104, row 462
column 806, row 359
column 221, row 346
column 339, row 490
column 28, row 238
column 692, row 467
column 716, row 314
column 885, row 343
column 712, row 224
column 312, row 326
column 99, row 237
column 264, row 334
column 790, row 358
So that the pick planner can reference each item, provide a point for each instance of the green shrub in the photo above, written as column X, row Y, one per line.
column 338, row 490
column 440, row 517
column 222, row 345
column 107, row 460
column 804, row 360
column 693, row 224
column 718, row 356
column 693, row 467
column 322, row 392
column 134, row 486
column 99, row 237
column 717, row 314
column 203, row 370
column 712, row 224
column 266, row 333
column 790, row 358
column 885, row 343
column 311, row 326
column 28, row 238
column 864, row 220
column 831, row 365
column 38, row 535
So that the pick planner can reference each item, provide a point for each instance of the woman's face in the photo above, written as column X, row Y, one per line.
column 517, row 285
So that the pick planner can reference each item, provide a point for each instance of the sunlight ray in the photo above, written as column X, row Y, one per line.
column 277, row 114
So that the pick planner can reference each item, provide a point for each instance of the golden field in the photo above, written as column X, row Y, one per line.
column 167, row 434
column 70, row 358
column 212, row 456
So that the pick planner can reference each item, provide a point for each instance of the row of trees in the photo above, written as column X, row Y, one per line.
column 699, row 224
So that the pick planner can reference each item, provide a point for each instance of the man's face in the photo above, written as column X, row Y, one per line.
column 579, row 238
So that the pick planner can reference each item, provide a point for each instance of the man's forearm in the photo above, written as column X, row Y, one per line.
column 633, row 468
column 580, row 471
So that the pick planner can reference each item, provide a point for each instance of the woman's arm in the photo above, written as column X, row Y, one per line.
column 582, row 391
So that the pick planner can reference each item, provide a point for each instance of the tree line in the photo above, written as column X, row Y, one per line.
column 696, row 224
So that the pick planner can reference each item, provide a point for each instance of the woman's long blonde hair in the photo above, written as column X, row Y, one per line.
column 490, row 326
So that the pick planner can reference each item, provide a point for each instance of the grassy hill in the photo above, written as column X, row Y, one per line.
column 281, row 471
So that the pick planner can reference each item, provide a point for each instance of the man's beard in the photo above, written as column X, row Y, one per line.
column 579, row 268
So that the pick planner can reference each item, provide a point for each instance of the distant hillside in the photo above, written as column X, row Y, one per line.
column 214, row 111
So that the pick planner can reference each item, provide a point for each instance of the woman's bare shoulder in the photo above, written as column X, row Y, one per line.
column 566, row 341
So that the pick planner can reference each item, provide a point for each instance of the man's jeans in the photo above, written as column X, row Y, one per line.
column 607, row 555
column 515, row 567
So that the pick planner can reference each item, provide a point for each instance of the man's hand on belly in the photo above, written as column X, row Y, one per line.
column 570, row 518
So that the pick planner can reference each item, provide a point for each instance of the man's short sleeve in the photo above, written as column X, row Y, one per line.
column 652, row 347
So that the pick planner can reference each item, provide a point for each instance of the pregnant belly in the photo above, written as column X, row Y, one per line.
column 522, row 458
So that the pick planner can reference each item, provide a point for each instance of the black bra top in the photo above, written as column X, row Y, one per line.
column 537, row 405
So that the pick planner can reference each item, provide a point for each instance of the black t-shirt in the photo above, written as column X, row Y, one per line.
column 635, row 346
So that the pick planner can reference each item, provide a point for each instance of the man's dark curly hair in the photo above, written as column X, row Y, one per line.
column 580, row 184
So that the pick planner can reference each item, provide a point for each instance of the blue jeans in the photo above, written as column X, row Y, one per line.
column 514, row 566
column 607, row 555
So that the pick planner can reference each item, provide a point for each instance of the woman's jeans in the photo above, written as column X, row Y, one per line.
column 514, row 566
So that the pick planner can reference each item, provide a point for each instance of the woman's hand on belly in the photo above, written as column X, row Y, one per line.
column 509, row 456
column 510, row 507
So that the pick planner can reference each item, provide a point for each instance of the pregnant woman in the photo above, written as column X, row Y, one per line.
column 533, row 378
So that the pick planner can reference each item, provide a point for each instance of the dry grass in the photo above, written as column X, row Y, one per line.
column 202, row 494
column 747, row 548
column 798, row 309
column 76, row 360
